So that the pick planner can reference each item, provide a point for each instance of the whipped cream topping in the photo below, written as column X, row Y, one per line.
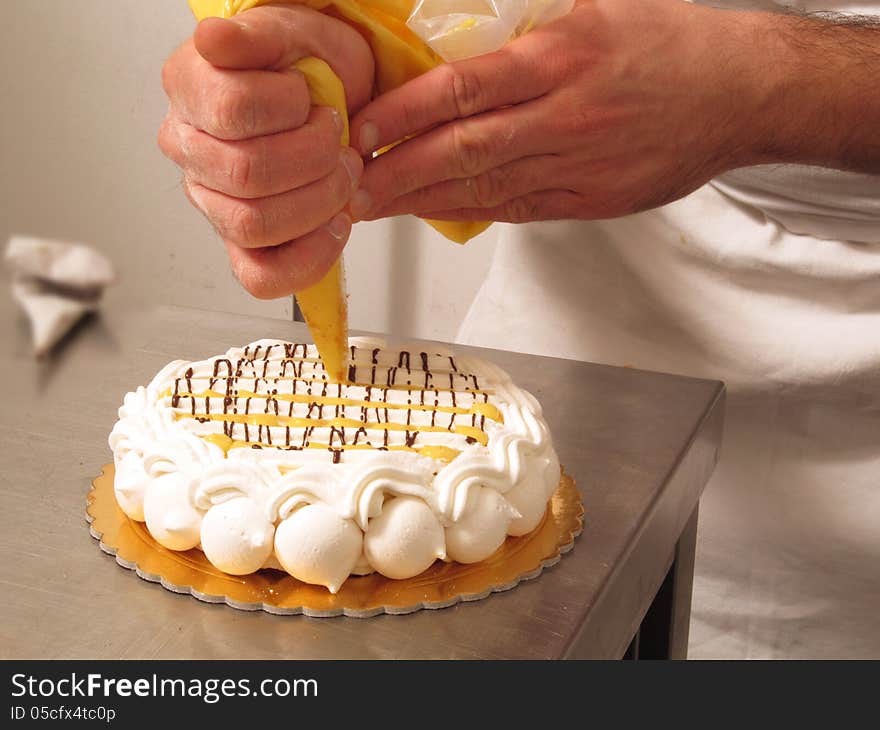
column 257, row 459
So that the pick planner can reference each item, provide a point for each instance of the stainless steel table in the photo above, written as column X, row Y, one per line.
column 640, row 445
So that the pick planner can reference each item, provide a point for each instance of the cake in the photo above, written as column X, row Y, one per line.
column 259, row 460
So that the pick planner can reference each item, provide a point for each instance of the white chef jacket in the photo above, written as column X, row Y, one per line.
column 767, row 278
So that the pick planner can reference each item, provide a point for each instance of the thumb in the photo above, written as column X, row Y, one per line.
column 275, row 37
column 242, row 42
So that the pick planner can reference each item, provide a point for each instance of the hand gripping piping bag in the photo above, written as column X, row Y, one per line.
column 406, row 39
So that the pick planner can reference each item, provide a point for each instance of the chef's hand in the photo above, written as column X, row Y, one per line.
column 620, row 106
column 266, row 168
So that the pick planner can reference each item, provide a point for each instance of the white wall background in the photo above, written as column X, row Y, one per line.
column 81, row 102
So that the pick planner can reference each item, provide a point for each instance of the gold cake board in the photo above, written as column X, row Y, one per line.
column 274, row 591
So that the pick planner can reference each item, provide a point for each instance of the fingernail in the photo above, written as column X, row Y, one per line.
column 353, row 165
column 360, row 204
column 339, row 226
column 195, row 195
column 368, row 138
column 337, row 121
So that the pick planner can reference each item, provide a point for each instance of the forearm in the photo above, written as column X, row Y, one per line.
column 817, row 93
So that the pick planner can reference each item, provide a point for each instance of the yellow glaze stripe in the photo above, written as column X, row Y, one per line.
column 441, row 453
column 270, row 419
column 477, row 409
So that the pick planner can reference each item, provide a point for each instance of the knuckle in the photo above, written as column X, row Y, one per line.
column 471, row 151
column 412, row 113
column 169, row 74
column 179, row 62
column 522, row 210
column 564, row 62
column 241, row 170
column 402, row 179
column 584, row 123
column 488, row 188
column 233, row 114
column 564, row 65
column 246, row 224
column 467, row 91
column 324, row 150
column 325, row 158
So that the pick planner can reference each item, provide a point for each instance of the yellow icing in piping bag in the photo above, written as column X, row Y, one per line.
column 324, row 304
column 400, row 56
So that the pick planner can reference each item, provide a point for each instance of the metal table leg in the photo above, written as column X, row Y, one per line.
column 663, row 633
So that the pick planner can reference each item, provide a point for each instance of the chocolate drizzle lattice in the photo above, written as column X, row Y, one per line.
column 279, row 396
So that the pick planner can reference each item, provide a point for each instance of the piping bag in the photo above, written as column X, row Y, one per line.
column 407, row 38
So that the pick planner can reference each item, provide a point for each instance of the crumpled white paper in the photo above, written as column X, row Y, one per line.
column 457, row 29
column 56, row 283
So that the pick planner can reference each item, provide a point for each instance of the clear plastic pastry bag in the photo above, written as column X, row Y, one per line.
column 457, row 29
